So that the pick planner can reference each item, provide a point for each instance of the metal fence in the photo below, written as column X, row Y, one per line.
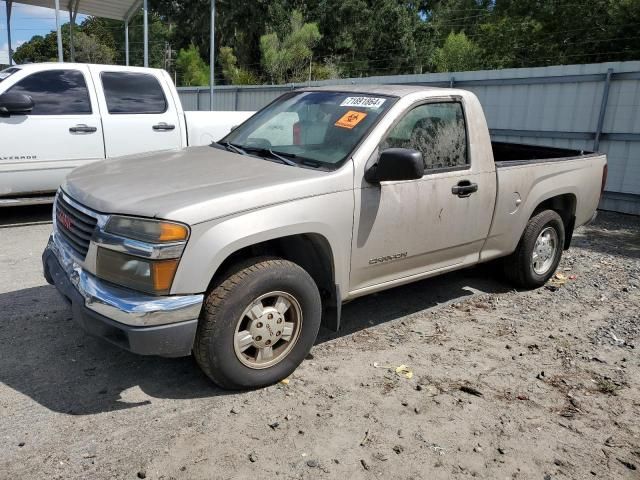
column 588, row 107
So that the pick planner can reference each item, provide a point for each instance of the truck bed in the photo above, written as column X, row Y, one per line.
column 529, row 175
column 505, row 153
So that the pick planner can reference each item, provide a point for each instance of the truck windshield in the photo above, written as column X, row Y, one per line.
column 318, row 128
column 7, row 72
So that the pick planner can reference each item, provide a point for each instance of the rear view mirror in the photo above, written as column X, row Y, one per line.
column 396, row 164
column 15, row 104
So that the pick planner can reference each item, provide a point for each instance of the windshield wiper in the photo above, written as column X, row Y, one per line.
column 282, row 156
column 234, row 148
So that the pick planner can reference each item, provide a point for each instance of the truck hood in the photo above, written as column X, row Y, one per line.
column 193, row 185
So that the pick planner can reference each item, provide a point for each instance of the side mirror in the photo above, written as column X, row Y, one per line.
column 15, row 103
column 396, row 164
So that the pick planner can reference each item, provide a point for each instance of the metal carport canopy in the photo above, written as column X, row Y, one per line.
column 113, row 9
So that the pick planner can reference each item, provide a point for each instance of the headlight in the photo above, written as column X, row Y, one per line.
column 150, row 276
column 140, row 254
column 145, row 230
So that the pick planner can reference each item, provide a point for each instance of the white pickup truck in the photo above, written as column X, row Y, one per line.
column 56, row 117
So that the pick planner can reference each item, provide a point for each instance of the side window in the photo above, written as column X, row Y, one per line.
column 136, row 93
column 56, row 92
column 437, row 130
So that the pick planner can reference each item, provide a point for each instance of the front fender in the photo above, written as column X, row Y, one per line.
column 210, row 243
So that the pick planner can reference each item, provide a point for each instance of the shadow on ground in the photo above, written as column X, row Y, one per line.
column 46, row 357
column 25, row 216
column 612, row 233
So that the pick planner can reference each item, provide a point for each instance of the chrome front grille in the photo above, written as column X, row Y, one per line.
column 74, row 227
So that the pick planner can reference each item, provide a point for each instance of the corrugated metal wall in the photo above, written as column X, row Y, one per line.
column 558, row 106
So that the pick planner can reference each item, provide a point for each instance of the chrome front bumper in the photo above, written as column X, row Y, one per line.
column 142, row 324
column 121, row 304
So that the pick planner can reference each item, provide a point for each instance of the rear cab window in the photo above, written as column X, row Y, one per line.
column 56, row 92
column 437, row 130
column 133, row 93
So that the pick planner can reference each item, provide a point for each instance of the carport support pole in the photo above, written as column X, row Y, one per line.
column 212, row 55
column 145, row 7
column 126, row 41
column 59, row 30
column 73, row 13
column 72, row 53
column 9, row 4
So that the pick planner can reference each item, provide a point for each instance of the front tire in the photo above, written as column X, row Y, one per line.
column 258, row 324
column 539, row 251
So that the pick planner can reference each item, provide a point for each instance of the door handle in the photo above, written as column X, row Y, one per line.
column 464, row 188
column 163, row 126
column 82, row 128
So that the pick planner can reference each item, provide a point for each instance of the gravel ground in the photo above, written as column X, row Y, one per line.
column 542, row 384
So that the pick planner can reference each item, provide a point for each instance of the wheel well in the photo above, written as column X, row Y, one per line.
column 565, row 206
column 312, row 252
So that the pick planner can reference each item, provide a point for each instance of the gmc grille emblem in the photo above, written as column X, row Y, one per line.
column 64, row 219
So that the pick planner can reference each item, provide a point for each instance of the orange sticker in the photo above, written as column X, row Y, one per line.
column 350, row 119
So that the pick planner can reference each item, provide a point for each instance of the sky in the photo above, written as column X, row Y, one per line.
column 27, row 21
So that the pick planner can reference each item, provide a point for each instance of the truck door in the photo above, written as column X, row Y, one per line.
column 139, row 114
column 63, row 131
column 408, row 228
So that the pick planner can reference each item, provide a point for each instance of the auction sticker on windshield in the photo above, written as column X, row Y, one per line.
column 350, row 119
column 364, row 102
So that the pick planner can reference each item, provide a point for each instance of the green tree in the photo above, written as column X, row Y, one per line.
column 192, row 70
column 105, row 33
column 90, row 50
column 42, row 49
column 31, row 51
column 368, row 37
column 239, row 25
column 458, row 54
column 290, row 59
column 230, row 70
column 327, row 70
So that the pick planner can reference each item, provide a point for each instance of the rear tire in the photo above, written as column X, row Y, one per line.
column 258, row 324
column 539, row 251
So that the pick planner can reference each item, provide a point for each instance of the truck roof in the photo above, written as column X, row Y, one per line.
column 59, row 65
column 387, row 89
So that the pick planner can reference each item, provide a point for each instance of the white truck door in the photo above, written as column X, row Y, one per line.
column 63, row 131
column 408, row 228
column 139, row 114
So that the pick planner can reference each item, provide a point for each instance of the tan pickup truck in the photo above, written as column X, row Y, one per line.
column 238, row 251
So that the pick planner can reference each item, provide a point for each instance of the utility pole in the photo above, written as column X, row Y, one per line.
column 59, row 30
column 146, row 32
column 73, row 13
column 126, row 42
column 212, row 56
column 9, row 5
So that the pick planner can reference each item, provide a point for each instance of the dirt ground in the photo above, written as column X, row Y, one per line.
column 542, row 384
